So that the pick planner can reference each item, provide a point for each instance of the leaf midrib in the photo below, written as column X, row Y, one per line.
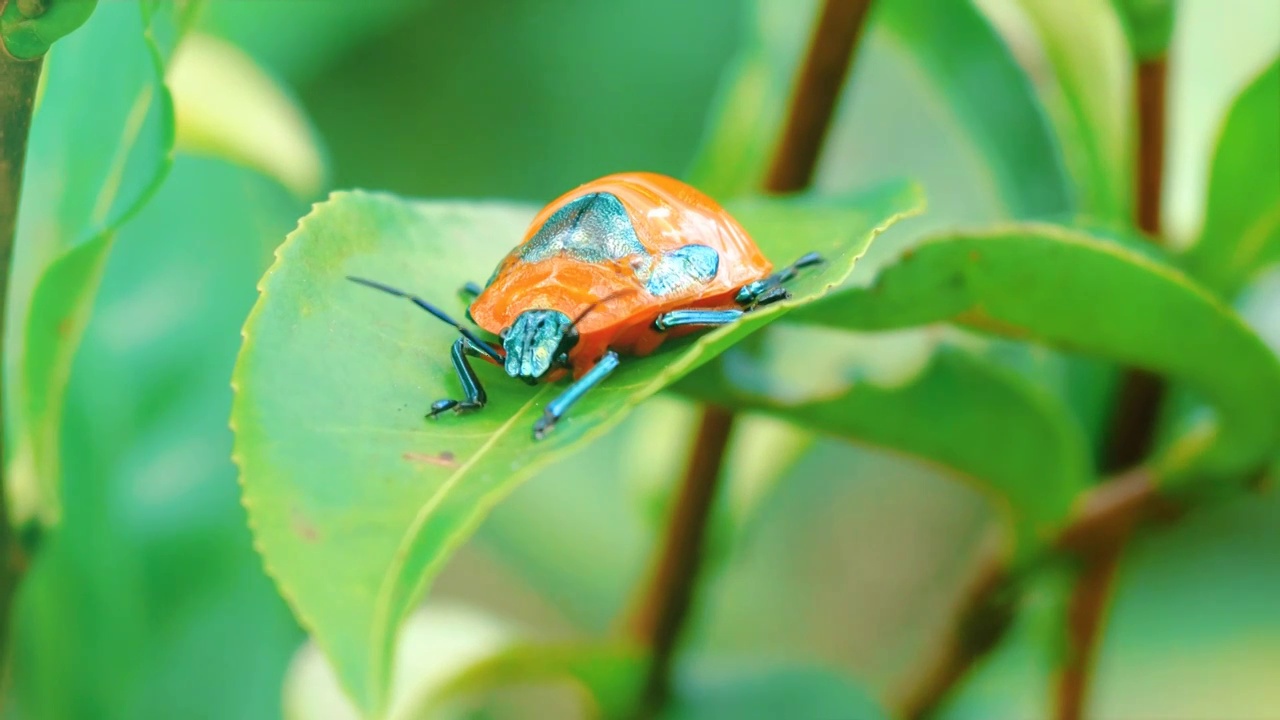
column 386, row 588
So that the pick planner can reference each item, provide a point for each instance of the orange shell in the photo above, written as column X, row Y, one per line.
column 666, row 214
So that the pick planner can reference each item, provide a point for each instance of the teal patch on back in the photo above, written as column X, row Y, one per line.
column 594, row 228
column 682, row 269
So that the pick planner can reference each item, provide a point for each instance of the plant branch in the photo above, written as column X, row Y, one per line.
column 817, row 89
column 983, row 614
column 18, row 80
column 1133, row 423
column 665, row 604
column 988, row 603
column 658, row 622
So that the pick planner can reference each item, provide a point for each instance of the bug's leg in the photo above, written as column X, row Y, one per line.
column 557, row 408
column 763, row 292
column 676, row 318
column 770, row 296
column 474, row 396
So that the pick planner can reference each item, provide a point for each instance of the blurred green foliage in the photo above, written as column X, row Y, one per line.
column 837, row 566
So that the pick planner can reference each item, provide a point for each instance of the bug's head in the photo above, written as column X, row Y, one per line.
column 536, row 342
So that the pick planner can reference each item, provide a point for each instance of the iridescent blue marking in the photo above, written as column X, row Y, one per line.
column 682, row 269
column 534, row 342
column 594, row 228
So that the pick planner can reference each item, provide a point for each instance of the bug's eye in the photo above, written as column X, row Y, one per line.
column 503, row 333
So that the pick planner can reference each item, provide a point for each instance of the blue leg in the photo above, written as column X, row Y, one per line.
column 763, row 292
column 557, row 408
column 676, row 318
column 473, row 392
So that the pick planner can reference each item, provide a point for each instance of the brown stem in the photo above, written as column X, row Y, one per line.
column 816, row 90
column 988, row 603
column 982, row 616
column 658, row 621
column 664, row 606
column 18, row 80
column 1152, row 80
column 1133, row 423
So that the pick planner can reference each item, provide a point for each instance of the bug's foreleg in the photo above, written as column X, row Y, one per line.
column 572, row 394
column 474, row 396
column 676, row 318
column 763, row 292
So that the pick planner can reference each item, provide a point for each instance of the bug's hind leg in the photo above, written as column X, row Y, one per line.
column 572, row 394
column 770, row 290
column 474, row 396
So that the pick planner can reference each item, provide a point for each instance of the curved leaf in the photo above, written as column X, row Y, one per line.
column 944, row 405
column 609, row 676
column 1241, row 233
column 227, row 106
column 151, row 580
column 100, row 144
column 1072, row 290
column 991, row 96
column 437, row 646
column 949, row 48
column 355, row 499
column 1083, row 48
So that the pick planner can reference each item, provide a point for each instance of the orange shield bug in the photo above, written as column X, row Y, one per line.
column 611, row 268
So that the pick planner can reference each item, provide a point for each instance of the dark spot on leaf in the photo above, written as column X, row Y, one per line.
column 444, row 459
column 908, row 254
column 974, row 256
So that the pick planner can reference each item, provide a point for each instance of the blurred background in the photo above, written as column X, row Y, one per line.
column 148, row 600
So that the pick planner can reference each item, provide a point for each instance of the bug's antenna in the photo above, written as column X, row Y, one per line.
column 587, row 311
column 481, row 345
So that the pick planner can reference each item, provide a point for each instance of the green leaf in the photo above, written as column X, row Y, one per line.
column 947, row 47
column 1241, row 233
column 437, row 645
column 1084, row 50
column 150, row 584
column 609, row 676
column 945, row 405
column 770, row 691
column 1149, row 24
column 227, row 106
column 346, row 485
column 30, row 37
column 1075, row 291
column 99, row 146
column 969, row 66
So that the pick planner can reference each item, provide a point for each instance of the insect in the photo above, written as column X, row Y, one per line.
column 611, row 268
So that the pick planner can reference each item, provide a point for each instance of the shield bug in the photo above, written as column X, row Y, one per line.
column 611, row 268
